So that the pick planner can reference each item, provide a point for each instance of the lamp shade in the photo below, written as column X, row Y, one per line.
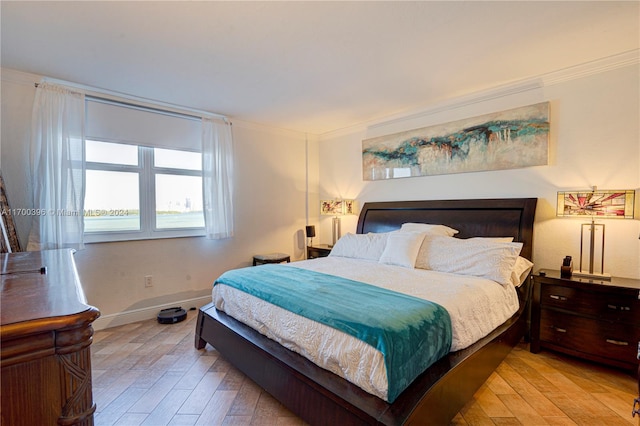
column 331, row 207
column 598, row 203
column 311, row 231
column 338, row 207
column 349, row 207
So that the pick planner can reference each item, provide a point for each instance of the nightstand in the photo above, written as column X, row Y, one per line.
column 320, row 250
column 589, row 318
column 262, row 259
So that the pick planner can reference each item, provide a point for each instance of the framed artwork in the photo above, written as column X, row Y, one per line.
column 509, row 139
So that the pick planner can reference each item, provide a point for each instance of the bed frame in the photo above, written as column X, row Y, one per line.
column 321, row 397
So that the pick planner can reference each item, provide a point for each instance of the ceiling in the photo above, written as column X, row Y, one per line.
column 309, row 66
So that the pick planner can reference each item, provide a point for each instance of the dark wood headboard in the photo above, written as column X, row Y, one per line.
column 500, row 217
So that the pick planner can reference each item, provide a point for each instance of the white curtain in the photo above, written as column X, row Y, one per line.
column 217, row 177
column 57, row 168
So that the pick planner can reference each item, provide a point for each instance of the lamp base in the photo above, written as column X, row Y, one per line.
column 337, row 232
column 596, row 276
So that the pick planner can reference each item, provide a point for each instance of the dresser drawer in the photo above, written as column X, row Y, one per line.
column 610, row 307
column 596, row 337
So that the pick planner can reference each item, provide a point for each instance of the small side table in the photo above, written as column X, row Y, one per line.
column 261, row 259
column 320, row 250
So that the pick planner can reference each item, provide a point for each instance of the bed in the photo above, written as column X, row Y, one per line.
column 435, row 396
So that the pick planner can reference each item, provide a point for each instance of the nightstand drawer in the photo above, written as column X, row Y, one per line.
column 595, row 337
column 609, row 307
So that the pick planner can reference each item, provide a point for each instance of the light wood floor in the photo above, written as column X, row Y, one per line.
column 151, row 374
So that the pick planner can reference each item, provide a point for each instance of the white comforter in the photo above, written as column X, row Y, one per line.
column 476, row 307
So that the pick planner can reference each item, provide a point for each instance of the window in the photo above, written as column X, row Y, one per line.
column 178, row 179
column 143, row 174
column 170, row 182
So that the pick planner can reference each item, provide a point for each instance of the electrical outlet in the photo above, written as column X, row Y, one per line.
column 148, row 281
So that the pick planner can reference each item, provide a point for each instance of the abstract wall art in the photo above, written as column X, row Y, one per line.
column 509, row 139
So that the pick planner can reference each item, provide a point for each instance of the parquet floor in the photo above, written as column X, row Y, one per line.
column 150, row 374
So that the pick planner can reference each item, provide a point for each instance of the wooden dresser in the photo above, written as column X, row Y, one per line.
column 593, row 319
column 46, row 332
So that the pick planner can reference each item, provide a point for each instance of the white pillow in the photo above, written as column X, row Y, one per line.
column 428, row 228
column 360, row 246
column 494, row 239
column 477, row 257
column 520, row 271
column 402, row 248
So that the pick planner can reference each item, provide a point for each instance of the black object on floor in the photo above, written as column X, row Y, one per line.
column 172, row 315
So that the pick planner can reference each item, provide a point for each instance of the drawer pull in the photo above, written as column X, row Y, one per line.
column 621, row 308
column 560, row 330
column 556, row 297
column 617, row 342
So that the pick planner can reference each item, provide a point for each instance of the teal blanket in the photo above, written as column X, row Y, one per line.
column 411, row 333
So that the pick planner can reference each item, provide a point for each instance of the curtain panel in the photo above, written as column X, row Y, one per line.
column 57, row 168
column 217, row 178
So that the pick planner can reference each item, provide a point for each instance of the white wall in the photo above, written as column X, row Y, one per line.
column 595, row 140
column 270, row 211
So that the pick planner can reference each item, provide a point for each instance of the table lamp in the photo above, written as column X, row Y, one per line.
column 595, row 204
column 337, row 208
column 311, row 232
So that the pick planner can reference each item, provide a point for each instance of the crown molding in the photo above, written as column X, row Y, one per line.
column 19, row 77
column 598, row 66
column 610, row 63
column 497, row 92
column 273, row 130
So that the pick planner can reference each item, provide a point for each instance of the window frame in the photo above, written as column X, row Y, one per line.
column 147, row 172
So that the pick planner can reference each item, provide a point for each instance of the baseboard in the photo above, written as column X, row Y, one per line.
column 127, row 317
